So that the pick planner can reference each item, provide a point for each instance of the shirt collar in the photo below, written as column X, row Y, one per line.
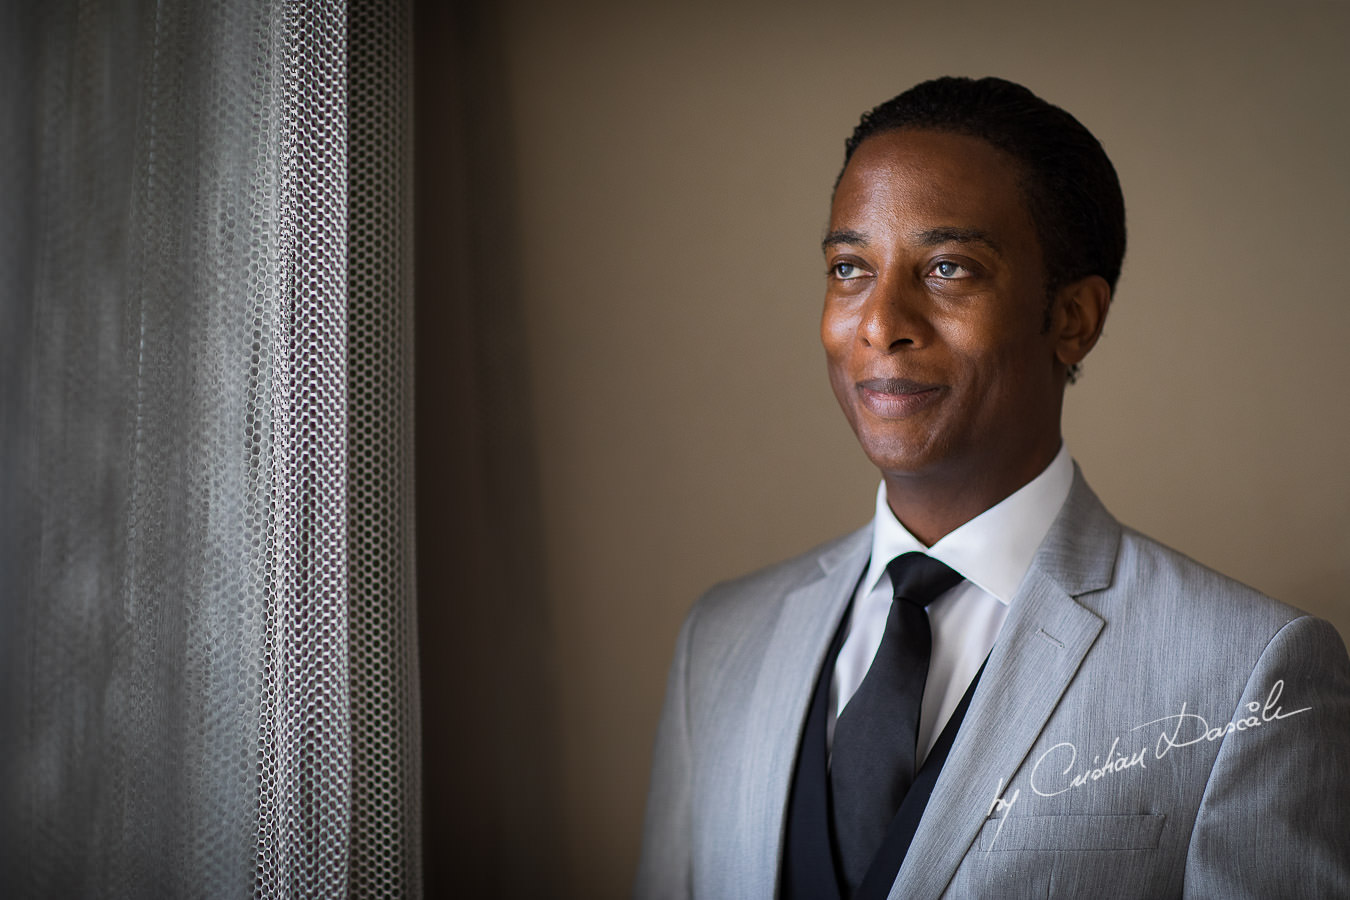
column 992, row 550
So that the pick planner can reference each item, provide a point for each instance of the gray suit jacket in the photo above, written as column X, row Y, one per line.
column 1134, row 734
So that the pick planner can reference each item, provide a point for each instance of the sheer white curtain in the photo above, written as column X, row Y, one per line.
column 207, row 635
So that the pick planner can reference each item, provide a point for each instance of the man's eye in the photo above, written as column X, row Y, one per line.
column 845, row 271
column 946, row 269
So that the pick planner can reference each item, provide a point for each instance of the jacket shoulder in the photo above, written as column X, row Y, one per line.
column 743, row 610
column 764, row 585
column 1160, row 575
column 1165, row 612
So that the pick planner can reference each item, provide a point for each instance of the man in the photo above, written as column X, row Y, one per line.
column 994, row 689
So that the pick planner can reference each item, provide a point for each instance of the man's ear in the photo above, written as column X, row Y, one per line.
column 1080, row 312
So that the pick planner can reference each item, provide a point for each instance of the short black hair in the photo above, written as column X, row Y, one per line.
column 1071, row 187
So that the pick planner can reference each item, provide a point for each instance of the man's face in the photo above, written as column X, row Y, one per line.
column 935, row 311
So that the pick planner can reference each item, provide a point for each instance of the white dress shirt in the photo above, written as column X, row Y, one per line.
column 993, row 552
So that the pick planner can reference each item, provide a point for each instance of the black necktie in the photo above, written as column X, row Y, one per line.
column 872, row 762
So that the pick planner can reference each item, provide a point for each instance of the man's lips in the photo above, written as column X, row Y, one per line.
column 896, row 386
column 894, row 398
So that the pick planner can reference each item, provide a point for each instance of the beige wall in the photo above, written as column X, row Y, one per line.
column 673, row 172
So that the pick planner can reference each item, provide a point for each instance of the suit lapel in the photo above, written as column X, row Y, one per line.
column 782, row 693
column 1043, row 641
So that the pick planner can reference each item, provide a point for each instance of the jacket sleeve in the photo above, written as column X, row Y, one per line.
column 1275, row 817
column 665, row 866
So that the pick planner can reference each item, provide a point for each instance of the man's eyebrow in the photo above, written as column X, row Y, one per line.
column 935, row 236
column 843, row 236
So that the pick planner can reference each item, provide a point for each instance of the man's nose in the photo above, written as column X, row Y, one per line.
column 894, row 316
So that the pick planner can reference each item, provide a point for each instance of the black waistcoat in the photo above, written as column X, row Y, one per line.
column 810, row 861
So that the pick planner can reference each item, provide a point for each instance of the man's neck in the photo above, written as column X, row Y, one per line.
column 932, row 506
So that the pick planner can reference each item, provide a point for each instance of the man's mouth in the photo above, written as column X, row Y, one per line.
column 895, row 386
column 896, row 398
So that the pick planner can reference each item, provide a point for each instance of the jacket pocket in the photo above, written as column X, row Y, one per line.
column 1138, row 832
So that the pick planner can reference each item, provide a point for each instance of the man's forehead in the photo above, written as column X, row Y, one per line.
column 929, row 188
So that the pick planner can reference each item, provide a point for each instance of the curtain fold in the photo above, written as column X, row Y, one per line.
column 207, row 639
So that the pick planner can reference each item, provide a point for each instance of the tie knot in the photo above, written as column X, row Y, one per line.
column 919, row 579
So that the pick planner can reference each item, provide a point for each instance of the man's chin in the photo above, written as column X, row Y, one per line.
column 903, row 459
